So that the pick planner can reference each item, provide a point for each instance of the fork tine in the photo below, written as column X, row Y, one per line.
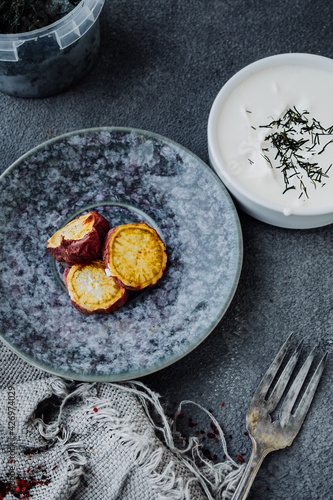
column 307, row 398
column 294, row 390
column 283, row 380
column 272, row 371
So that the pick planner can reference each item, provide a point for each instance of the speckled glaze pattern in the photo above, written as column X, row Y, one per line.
column 128, row 176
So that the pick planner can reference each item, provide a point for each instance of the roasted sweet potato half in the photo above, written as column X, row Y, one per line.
column 80, row 240
column 135, row 255
column 91, row 291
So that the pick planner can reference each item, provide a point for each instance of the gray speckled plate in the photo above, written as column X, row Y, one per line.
column 128, row 176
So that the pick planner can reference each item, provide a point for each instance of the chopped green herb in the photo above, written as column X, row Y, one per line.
column 290, row 152
column 268, row 160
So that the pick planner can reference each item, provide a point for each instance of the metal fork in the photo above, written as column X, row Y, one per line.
column 267, row 435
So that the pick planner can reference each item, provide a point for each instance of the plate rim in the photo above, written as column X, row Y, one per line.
column 41, row 365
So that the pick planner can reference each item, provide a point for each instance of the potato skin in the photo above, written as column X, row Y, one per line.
column 85, row 249
column 120, row 302
column 105, row 247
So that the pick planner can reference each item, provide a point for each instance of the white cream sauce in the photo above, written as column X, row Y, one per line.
column 260, row 99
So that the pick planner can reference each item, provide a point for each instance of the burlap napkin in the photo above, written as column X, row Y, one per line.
column 63, row 440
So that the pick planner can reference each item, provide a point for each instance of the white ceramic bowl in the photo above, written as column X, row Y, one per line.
column 225, row 133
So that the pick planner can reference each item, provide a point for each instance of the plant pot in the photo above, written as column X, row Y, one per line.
column 49, row 60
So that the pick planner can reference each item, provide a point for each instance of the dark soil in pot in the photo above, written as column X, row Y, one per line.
column 20, row 16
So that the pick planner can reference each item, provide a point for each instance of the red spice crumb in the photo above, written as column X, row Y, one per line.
column 28, row 470
column 90, row 447
column 93, row 474
column 71, row 420
column 203, row 439
column 181, row 414
column 32, row 451
column 215, row 429
column 95, row 409
column 10, row 460
column 240, row 458
column 246, row 433
column 216, row 440
column 54, row 467
column 222, row 405
column 197, row 432
column 191, row 423
column 210, row 435
column 17, row 489
column 230, row 436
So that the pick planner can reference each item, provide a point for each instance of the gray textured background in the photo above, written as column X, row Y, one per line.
column 161, row 65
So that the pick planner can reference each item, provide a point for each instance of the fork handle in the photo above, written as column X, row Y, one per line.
column 244, row 486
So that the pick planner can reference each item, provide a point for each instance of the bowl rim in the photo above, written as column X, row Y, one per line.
column 230, row 181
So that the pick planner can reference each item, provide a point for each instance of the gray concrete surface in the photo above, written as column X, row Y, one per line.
column 160, row 67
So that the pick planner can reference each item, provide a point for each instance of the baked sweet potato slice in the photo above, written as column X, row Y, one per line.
column 80, row 240
column 135, row 255
column 91, row 291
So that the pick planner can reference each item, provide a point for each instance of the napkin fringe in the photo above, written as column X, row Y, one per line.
column 153, row 457
column 73, row 452
column 147, row 455
column 218, row 481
